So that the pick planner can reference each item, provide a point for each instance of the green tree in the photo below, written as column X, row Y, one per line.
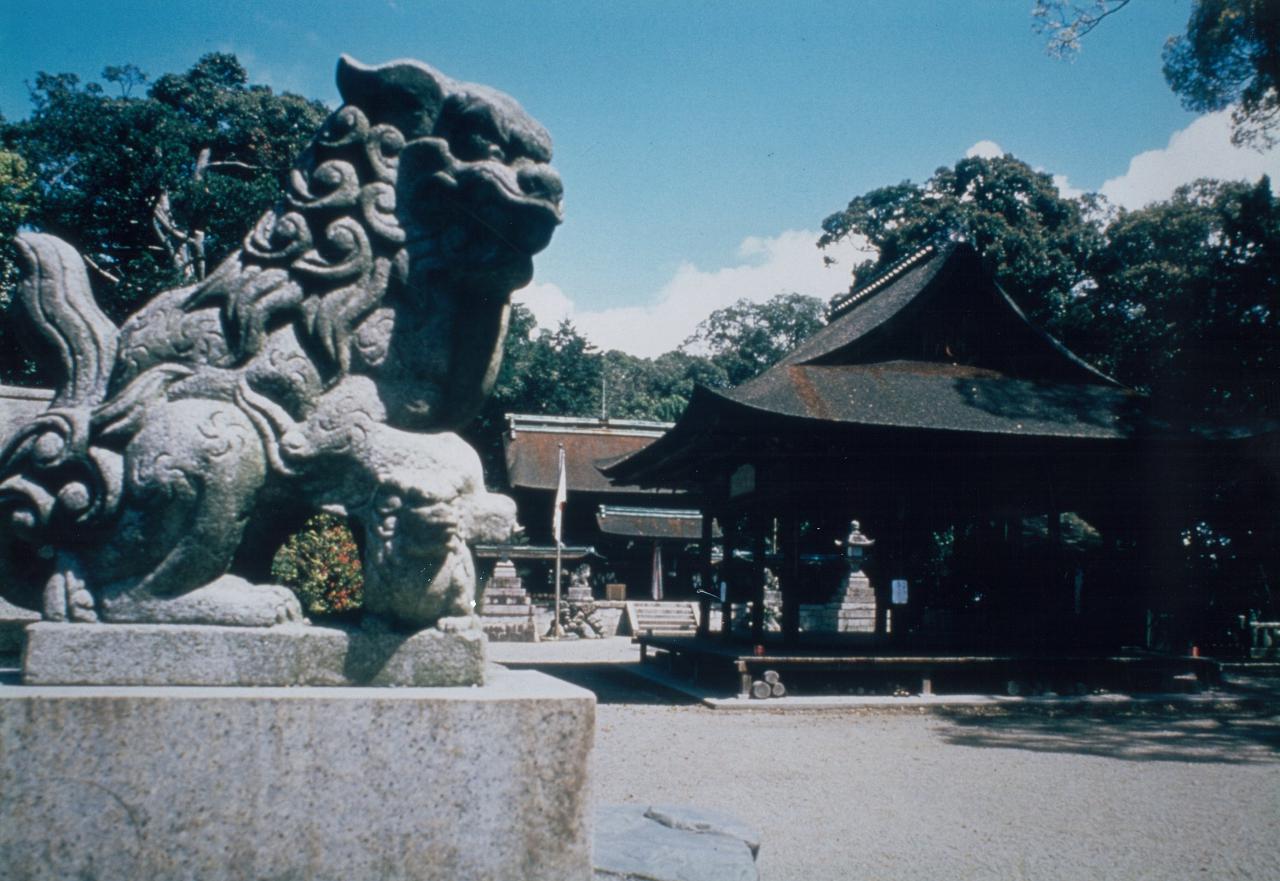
column 656, row 389
column 1186, row 302
column 1228, row 57
column 1064, row 22
column 1036, row 241
column 556, row 373
column 746, row 338
column 155, row 189
column 17, row 198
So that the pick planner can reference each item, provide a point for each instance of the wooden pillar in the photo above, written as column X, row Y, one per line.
column 729, row 528
column 790, row 581
column 759, row 527
column 1057, row 560
column 708, row 575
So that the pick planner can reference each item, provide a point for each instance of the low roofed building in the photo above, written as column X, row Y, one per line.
column 641, row 535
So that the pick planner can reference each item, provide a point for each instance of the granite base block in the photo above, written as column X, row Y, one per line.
column 289, row 654
column 13, row 621
column 215, row 784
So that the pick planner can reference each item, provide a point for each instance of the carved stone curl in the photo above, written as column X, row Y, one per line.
column 324, row 365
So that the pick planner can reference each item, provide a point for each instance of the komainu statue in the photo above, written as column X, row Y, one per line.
column 324, row 365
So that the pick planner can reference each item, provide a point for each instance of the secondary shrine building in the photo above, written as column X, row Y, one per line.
column 1016, row 495
column 640, row 539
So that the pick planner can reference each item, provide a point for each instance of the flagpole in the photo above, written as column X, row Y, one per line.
column 556, row 630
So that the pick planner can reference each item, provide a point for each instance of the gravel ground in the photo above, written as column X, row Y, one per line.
column 849, row 795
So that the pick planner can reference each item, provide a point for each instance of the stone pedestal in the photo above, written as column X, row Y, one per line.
column 288, row 654
column 13, row 621
column 120, row 783
column 851, row 610
column 508, row 614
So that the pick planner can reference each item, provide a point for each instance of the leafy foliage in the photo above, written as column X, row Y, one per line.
column 321, row 564
column 658, row 388
column 17, row 197
column 1033, row 239
column 1064, row 22
column 747, row 338
column 154, row 190
column 1187, row 298
column 1230, row 55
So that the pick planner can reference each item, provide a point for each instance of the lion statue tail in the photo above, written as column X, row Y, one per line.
column 55, row 292
column 50, row 477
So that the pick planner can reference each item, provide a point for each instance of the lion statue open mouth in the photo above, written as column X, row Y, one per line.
column 324, row 365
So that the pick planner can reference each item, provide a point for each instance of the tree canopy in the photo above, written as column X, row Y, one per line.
column 1186, row 298
column 1036, row 241
column 155, row 188
column 744, row 339
column 1228, row 57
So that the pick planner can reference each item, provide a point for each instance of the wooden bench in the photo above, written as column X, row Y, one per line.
column 661, row 617
column 1018, row 670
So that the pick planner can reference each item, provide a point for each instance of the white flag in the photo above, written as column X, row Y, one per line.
column 562, row 495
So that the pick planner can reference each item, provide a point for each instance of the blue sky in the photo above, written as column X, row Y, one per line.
column 702, row 143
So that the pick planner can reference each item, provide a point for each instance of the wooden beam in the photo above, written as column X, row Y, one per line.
column 759, row 526
column 708, row 574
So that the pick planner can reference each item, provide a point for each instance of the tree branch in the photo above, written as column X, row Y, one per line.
column 114, row 279
column 1065, row 23
column 235, row 163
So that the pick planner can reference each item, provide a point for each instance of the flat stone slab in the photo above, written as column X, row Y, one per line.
column 641, row 843
column 288, row 654
column 322, row 784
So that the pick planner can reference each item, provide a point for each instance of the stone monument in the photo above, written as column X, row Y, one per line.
column 325, row 365
column 508, row 614
column 853, row 608
column 580, row 585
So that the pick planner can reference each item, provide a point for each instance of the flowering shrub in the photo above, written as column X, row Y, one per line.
column 321, row 564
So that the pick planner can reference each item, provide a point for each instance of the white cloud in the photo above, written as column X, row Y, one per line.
column 985, row 150
column 785, row 263
column 1202, row 149
column 547, row 302
column 1065, row 189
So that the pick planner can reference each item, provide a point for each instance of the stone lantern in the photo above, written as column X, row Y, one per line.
column 853, row 608
column 856, row 547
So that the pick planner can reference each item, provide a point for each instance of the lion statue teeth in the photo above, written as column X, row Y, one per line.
column 324, row 365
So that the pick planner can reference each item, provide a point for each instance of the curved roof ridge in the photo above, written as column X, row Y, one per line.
column 844, row 303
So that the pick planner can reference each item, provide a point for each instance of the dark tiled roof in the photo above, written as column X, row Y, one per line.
column 914, row 394
column 885, row 361
column 531, row 446
column 866, row 309
column 682, row 525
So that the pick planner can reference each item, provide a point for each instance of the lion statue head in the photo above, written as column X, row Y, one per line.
column 403, row 229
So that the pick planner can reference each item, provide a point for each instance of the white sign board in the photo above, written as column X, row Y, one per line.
column 899, row 586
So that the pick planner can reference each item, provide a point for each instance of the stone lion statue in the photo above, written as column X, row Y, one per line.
column 324, row 365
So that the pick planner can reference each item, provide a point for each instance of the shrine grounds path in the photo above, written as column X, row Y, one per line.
column 1157, row 793
column 848, row 795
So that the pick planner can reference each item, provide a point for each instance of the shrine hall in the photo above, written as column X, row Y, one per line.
column 1017, row 497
